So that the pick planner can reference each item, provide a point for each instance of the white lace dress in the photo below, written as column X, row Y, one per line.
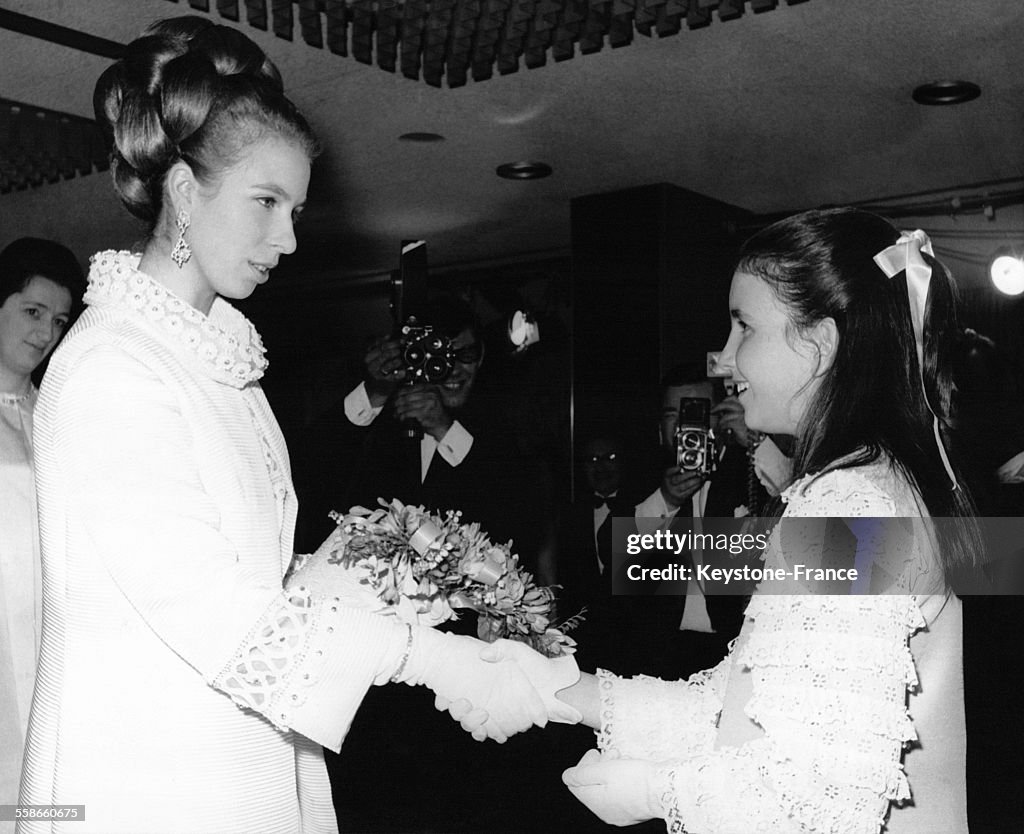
column 180, row 688
column 839, row 714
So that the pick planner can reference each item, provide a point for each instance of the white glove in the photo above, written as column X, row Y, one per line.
column 548, row 675
column 450, row 664
column 473, row 721
column 620, row 791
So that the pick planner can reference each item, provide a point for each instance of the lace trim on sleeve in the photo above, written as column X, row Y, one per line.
column 648, row 718
column 740, row 774
column 262, row 674
column 830, row 677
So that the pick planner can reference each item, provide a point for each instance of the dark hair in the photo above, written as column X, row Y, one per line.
column 28, row 257
column 870, row 402
column 692, row 373
column 190, row 90
column 451, row 314
column 611, row 437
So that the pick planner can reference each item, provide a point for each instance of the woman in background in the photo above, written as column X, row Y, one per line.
column 41, row 284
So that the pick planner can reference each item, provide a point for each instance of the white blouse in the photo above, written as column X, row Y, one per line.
column 20, row 585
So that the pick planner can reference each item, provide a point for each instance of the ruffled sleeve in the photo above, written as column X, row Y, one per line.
column 822, row 684
column 829, row 679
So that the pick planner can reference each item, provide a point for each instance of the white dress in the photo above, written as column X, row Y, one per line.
column 180, row 688
column 827, row 711
column 20, row 587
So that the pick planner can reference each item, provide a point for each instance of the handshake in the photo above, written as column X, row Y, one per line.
column 494, row 690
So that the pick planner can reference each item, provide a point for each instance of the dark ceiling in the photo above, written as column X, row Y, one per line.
column 805, row 104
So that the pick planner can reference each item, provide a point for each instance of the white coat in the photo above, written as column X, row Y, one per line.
column 180, row 688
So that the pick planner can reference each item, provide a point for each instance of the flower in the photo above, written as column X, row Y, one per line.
column 423, row 568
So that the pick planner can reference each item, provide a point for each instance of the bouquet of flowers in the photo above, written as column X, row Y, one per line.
column 423, row 568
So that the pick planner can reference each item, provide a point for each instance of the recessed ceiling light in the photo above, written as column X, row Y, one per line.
column 524, row 170
column 421, row 137
column 946, row 92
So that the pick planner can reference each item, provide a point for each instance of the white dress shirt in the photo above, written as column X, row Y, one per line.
column 654, row 513
column 453, row 447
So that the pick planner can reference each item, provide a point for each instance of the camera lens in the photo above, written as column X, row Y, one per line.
column 414, row 355
column 690, row 459
column 426, row 355
column 691, row 440
column 436, row 369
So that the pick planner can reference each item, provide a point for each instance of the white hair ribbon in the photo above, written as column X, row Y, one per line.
column 905, row 256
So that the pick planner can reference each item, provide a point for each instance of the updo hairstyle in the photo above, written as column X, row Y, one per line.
column 870, row 401
column 189, row 89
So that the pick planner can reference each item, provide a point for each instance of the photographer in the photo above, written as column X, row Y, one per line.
column 430, row 406
column 465, row 457
column 703, row 626
column 467, row 460
column 691, row 489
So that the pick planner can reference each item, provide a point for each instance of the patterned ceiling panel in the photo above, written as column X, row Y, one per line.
column 433, row 40
column 452, row 40
column 40, row 146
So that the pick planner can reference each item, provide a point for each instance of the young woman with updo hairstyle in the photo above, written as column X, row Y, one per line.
column 41, row 286
column 183, row 685
column 840, row 707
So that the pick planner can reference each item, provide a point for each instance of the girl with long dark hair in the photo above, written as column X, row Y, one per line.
column 832, row 713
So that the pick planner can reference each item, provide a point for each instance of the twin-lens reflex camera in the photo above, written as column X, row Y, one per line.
column 694, row 439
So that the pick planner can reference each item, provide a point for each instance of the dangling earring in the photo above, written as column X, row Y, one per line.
column 181, row 251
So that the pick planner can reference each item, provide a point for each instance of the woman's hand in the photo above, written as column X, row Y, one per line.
column 620, row 791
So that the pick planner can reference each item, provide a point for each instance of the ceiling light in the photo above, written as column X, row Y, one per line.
column 524, row 170
column 1006, row 269
column 421, row 137
column 946, row 92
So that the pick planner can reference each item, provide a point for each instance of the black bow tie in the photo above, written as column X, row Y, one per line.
column 600, row 500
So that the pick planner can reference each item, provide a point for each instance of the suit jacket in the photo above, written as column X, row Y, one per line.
column 342, row 465
column 506, row 492
column 579, row 570
column 730, row 487
column 728, row 491
column 616, row 630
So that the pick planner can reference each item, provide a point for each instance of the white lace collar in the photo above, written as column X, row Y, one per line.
column 225, row 342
